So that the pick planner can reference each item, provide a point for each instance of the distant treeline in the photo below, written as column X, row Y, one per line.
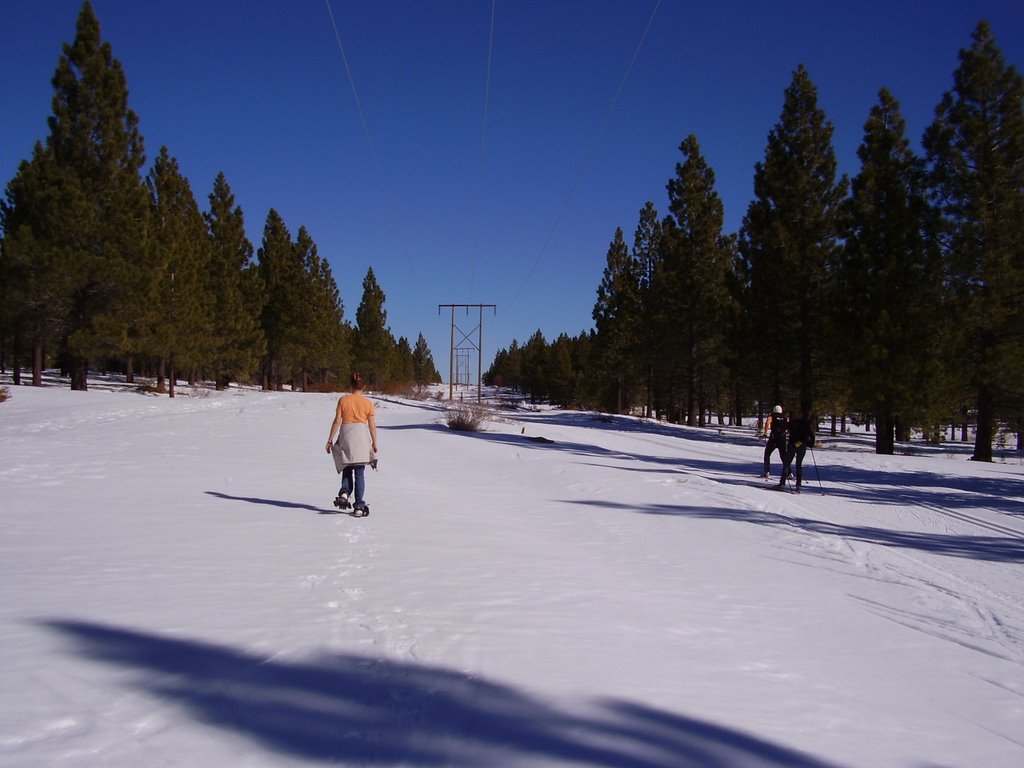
column 896, row 297
column 102, row 266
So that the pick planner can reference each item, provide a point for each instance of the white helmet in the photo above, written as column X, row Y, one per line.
column 777, row 409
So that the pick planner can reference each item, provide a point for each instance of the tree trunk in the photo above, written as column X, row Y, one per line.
column 902, row 429
column 986, row 421
column 885, row 430
column 17, row 356
column 691, row 397
column 650, row 391
column 79, row 373
column 37, row 363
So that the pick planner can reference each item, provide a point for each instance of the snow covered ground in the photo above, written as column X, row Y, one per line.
column 175, row 590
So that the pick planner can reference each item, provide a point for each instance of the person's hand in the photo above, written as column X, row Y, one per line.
column 329, row 446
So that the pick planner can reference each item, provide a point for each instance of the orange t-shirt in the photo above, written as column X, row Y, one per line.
column 356, row 409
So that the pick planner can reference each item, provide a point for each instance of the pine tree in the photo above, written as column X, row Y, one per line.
column 423, row 369
column 238, row 341
column 561, row 376
column 374, row 345
column 692, row 282
column 282, row 276
column 317, row 313
column 647, row 256
column 535, row 367
column 331, row 335
column 89, row 219
column 789, row 243
column 975, row 149
column 582, row 350
column 617, row 320
column 180, row 303
column 403, row 362
column 507, row 368
column 889, row 280
column 37, row 289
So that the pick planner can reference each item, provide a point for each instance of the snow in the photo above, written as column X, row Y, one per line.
column 175, row 590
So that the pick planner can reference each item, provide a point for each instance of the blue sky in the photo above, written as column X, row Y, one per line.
column 464, row 188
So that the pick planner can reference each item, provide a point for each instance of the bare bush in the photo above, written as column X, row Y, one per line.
column 466, row 417
column 5, row 394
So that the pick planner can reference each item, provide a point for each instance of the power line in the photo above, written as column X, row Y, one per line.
column 483, row 151
column 589, row 157
column 392, row 208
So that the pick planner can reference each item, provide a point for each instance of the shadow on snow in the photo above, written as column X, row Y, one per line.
column 383, row 712
column 269, row 502
column 1000, row 493
column 999, row 549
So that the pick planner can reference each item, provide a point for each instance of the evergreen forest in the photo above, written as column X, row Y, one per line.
column 894, row 299
column 107, row 265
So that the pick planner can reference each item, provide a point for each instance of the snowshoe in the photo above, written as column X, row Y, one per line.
column 342, row 501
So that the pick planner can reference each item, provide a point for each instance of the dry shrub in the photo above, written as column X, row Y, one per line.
column 5, row 394
column 466, row 417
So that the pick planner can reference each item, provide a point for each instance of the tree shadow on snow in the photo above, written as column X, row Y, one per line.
column 998, row 493
column 586, row 450
column 998, row 549
column 712, row 433
column 345, row 707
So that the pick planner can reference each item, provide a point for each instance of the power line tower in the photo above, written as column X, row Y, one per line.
column 460, row 356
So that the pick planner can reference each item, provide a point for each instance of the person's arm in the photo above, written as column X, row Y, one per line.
column 335, row 425
column 372, row 424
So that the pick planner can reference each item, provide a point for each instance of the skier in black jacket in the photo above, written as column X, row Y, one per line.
column 801, row 437
column 775, row 434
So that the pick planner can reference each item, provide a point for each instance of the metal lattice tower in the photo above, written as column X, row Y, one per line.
column 461, row 354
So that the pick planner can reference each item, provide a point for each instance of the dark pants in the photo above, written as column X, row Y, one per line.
column 768, row 448
column 353, row 477
column 799, row 454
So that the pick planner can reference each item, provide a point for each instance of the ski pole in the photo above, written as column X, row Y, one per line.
column 815, row 461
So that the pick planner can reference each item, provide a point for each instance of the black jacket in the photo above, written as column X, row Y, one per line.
column 777, row 425
column 801, row 433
